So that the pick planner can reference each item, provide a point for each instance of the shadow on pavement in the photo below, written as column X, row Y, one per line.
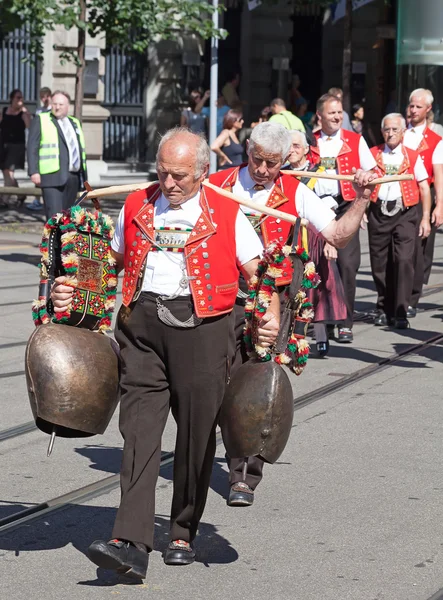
column 81, row 525
column 21, row 257
column 108, row 459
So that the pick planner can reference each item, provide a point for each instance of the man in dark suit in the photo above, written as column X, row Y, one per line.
column 56, row 155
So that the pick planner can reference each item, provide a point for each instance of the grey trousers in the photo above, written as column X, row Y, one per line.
column 62, row 197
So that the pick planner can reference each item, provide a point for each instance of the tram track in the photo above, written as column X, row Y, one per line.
column 110, row 483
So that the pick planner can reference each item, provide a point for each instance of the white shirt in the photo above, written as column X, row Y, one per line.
column 392, row 191
column 71, row 139
column 330, row 146
column 414, row 135
column 164, row 269
column 308, row 205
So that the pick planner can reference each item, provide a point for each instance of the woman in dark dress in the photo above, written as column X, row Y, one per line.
column 227, row 145
column 14, row 120
column 328, row 298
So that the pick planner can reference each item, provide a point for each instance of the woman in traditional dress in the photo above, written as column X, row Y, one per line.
column 328, row 297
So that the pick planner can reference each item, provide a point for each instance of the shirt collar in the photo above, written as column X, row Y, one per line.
column 397, row 150
column 190, row 207
column 248, row 183
column 325, row 136
column 417, row 128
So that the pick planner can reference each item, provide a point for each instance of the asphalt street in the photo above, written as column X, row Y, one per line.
column 353, row 509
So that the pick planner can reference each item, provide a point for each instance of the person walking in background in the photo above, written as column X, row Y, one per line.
column 192, row 117
column 340, row 151
column 394, row 221
column 338, row 93
column 57, row 155
column 227, row 146
column 14, row 121
column 281, row 115
column 359, row 125
column 45, row 106
column 328, row 299
column 429, row 145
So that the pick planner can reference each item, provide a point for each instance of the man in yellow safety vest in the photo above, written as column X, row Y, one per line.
column 56, row 155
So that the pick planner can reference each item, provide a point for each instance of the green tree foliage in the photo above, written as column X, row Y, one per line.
column 117, row 19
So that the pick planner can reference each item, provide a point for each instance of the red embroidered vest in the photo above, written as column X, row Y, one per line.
column 409, row 189
column 426, row 149
column 213, row 265
column 347, row 159
column 282, row 197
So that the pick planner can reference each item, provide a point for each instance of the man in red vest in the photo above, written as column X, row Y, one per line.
column 260, row 180
column 181, row 247
column 394, row 222
column 340, row 151
column 429, row 145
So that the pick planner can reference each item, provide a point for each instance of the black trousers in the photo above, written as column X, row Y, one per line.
column 166, row 367
column 61, row 198
column 392, row 248
column 348, row 263
column 423, row 258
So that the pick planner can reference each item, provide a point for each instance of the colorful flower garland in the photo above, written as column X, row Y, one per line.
column 260, row 291
column 70, row 222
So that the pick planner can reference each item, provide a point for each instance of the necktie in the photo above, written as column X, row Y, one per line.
column 72, row 144
column 257, row 187
column 174, row 206
column 328, row 139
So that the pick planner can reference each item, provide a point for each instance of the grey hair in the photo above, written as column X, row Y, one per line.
column 273, row 138
column 302, row 135
column 202, row 152
column 423, row 92
column 394, row 116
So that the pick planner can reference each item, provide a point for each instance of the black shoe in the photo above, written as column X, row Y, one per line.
column 401, row 323
column 381, row 320
column 345, row 335
column 240, row 494
column 119, row 556
column 322, row 348
column 179, row 553
column 411, row 312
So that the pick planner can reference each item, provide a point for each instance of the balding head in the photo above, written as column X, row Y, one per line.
column 182, row 164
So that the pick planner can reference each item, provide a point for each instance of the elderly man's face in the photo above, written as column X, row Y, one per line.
column 60, row 106
column 176, row 164
column 297, row 152
column 392, row 132
column 418, row 109
column 331, row 116
column 263, row 166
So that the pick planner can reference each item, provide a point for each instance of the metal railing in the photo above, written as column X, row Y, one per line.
column 15, row 71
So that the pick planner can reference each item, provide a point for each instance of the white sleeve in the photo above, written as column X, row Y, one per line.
column 310, row 206
column 420, row 172
column 118, row 241
column 247, row 241
column 367, row 161
column 437, row 155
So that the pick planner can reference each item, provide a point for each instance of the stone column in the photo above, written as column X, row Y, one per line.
column 62, row 77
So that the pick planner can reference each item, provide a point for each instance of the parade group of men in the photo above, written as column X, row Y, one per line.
column 180, row 326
